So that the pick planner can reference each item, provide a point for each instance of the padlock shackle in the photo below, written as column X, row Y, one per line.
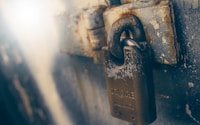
column 126, row 23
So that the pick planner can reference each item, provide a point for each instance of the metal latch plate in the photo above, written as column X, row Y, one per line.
column 158, row 22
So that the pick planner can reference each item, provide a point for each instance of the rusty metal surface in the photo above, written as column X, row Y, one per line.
column 97, row 38
column 73, row 27
column 130, row 25
column 93, row 18
column 129, row 1
column 156, row 16
column 130, row 86
column 81, row 83
column 158, row 25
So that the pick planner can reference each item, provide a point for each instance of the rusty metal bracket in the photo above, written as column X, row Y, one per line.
column 84, row 32
column 158, row 21
column 90, row 28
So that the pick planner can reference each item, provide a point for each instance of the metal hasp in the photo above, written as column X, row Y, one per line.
column 89, row 27
column 129, row 72
column 83, row 32
column 157, row 17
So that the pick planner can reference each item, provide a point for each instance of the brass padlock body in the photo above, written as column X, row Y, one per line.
column 130, row 86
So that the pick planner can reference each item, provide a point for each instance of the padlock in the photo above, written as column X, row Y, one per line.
column 129, row 73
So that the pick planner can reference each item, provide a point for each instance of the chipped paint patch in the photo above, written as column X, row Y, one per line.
column 164, row 41
column 158, row 34
column 163, row 14
column 162, row 55
column 166, row 61
column 190, row 84
column 164, row 96
column 155, row 24
column 195, row 4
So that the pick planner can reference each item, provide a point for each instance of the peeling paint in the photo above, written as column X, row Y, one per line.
column 155, row 24
column 163, row 14
column 195, row 4
column 166, row 61
column 164, row 41
column 158, row 34
column 164, row 96
column 162, row 55
column 190, row 84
